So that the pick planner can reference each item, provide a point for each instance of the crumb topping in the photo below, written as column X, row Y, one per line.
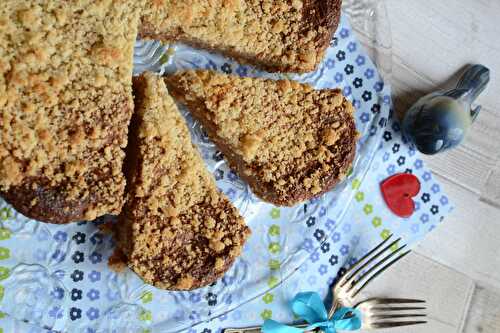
column 289, row 35
column 65, row 95
column 284, row 138
column 177, row 230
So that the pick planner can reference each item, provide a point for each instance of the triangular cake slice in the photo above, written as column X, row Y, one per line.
column 289, row 142
column 283, row 36
column 66, row 102
column 176, row 231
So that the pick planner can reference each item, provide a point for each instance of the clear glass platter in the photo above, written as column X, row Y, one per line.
column 57, row 276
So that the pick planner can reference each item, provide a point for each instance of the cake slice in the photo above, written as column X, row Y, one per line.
column 66, row 102
column 278, row 36
column 290, row 143
column 176, row 231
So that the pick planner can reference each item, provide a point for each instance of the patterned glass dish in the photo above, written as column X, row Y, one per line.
column 57, row 276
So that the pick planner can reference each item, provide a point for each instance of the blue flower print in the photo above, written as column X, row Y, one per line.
column 242, row 71
column 322, row 211
column 60, row 236
column 379, row 86
column 40, row 255
column 339, row 77
column 356, row 103
column 312, row 280
column 42, row 235
column 360, row 60
column 335, row 237
column 443, row 200
column 415, row 228
column 427, row 176
column 95, row 276
column 231, row 194
column 365, row 117
column 194, row 297
column 344, row 33
column 417, row 206
column 352, row 47
column 418, row 164
column 232, row 176
column 330, row 63
column 386, row 99
column 424, row 218
column 93, row 294
column 323, row 269
column 57, row 293
column 369, row 73
column 435, row 188
column 386, row 156
column 347, row 91
column 391, row 169
column 346, row 227
column 308, row 245
column 56, row 312
column 96, row 238
column 95, row 257
column 211, row 65
column 58, row 256
column 330, row 224
column 92, row 313
column 344, row 250
column 314, row 256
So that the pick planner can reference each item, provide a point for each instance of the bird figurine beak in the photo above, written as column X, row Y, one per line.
column 440, row 120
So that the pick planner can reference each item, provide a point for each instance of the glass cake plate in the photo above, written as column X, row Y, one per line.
column 57, row 276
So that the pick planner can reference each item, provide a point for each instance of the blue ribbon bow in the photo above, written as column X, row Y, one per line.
column 309, row 307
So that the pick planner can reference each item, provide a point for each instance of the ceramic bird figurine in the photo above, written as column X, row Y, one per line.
column 440, row 120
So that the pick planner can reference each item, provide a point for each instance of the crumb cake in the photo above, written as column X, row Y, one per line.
column 279, row 36
column 176, row 231
column 289, row 142
column 66, row 101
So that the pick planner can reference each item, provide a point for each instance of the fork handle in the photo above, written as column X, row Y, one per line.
column 257, row 329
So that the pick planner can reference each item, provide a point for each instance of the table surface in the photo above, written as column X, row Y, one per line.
column 457, row 267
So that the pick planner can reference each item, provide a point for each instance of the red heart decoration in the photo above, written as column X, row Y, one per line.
column 398, row 191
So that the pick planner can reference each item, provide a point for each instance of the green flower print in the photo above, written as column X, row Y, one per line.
column 5, row 233
column 266, row 314
column 385, row 234
column 146, row 315
column 360, row 196
column 146, row 297
column 274, row 264
column 274, row 248
column 356, row 183
column 377, row 221
column 5, row 213
column 275, row 213
column 4, row 273
column 368, row 209
column 272, row 282
column 274, row 230
column 268, row 298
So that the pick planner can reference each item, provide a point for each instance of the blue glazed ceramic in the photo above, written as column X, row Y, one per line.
column 440, row 121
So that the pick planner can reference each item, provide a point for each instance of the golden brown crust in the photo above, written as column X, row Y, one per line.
column 289, row 142
column 176, row 231
column 285, row 36
column 66, row 101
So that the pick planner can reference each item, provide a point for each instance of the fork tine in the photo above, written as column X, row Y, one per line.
column 380, row 271
column 389, row 324
column 399, row 315
column 397, row 308
column 394, row 300
column 377, row 255
column 360, row 261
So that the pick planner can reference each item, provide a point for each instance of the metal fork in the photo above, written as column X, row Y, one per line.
column 357, row 277
column 364, row 271
column 376, row 313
